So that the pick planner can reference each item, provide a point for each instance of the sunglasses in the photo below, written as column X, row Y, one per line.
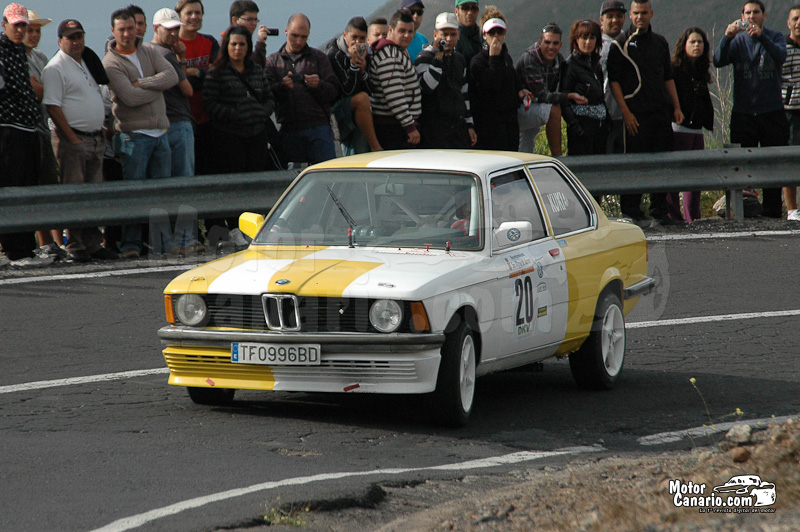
column 496, row 31
column 551, row 28
column 418, row 12
column 469, row 7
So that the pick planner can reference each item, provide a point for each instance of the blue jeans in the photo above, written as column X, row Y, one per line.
column 142, row 157
column 181, row 143
column 313, row 145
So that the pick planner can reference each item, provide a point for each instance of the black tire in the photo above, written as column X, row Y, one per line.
column 211, row 396
column 455, row 384
column 598, row 363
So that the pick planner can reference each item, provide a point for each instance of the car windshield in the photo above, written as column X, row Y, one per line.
column 379, row 208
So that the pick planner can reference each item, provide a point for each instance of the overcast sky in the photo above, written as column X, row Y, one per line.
column 328, row 17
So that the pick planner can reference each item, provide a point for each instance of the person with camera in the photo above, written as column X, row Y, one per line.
column 446, row 120
column 586, row 123
column 245, row 13
column 757, row 117
column 305, row 87
column 349, row 56
column 540, row 69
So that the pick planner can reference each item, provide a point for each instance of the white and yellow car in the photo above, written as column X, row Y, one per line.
column 411, row 273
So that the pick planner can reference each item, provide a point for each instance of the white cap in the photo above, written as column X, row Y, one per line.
column 167, row 17
column 493, row 23
column 446, row 20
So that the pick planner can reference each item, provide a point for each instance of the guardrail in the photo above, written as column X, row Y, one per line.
column 729, row 169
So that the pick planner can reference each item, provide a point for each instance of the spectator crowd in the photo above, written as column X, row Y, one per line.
column 187, row 103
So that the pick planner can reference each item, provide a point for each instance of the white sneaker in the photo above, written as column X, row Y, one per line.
column 32, row 262
column 793, row 215
column 51, row 250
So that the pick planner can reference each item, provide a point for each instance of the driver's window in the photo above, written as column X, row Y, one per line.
column 513, row 204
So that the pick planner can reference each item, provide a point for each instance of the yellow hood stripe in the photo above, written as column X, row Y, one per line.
column 197, row 280
column 319, row 277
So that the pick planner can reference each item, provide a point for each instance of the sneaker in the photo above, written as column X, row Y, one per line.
column 130, row 254
column 32, row 262
column 793, row 215
column 191, row 249
column 239, row 239
column 52, row 250
column 79, row 255
column 104, row 254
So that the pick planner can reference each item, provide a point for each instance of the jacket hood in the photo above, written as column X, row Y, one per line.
column 383, row 43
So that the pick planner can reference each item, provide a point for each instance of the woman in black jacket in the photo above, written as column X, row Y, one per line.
column 586, row 124
column 691, row 63
column 237, row 96
column 495, row 90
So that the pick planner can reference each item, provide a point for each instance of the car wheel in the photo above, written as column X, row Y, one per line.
column 455, row 385
column 598, row 363
column 211, row 396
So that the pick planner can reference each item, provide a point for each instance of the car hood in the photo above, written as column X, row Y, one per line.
column 395, row 273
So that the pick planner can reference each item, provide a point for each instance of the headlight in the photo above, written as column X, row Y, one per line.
column 385, row 315
column 190, row 309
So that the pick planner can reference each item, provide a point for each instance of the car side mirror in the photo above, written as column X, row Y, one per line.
column 512, row 233
column 250, row 223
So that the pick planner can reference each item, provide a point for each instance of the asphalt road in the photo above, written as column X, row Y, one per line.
column 81, row 456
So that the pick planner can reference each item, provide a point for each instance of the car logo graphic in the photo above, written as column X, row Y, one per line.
column 539, row 269
column 513, row 234
column 282, row 281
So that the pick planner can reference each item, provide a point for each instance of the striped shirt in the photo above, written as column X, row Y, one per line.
column 396, row 85
column 790, row 77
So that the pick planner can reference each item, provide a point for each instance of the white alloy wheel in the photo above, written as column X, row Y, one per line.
column 613, row 340
column 466, row 374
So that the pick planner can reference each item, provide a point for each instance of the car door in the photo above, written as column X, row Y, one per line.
column 529, row 276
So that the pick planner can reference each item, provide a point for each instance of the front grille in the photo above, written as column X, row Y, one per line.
column 282, row 311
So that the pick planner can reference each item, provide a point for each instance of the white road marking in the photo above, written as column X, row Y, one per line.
column 710, row 319
column 40, row 385
column 96, row 275
column 705, row 430
column 712, row 236
column 136, row 521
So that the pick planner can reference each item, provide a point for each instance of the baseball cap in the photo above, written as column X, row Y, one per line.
column 167, row 17
column 446, row 20
column 16, row 14
column 409, row 3
column 34, row 20
column 492, row 23
column 612, row 5
column 69, row 27
column 460, row 2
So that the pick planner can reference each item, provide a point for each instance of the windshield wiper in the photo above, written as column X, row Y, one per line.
column 346, row 215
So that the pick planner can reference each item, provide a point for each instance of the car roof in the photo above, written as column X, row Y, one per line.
column 472, row 161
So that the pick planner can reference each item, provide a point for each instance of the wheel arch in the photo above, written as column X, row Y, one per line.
column 469, row 315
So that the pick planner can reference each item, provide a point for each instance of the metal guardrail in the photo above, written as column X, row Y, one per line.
column 213, row 196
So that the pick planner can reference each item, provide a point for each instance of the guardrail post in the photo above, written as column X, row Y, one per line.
column 734, row 205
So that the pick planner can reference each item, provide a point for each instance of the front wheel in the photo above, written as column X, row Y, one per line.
column 598, row 363
column 455, row 385
column 211, row 396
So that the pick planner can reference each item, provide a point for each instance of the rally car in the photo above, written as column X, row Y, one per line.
column 411, row 273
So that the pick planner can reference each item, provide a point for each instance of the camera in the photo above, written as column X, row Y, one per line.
column 298, row 78
column 362, row 49
column 442, row 45
column 744, row 24
column 272, row 31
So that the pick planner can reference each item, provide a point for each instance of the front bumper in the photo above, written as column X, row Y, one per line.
column 350, row 362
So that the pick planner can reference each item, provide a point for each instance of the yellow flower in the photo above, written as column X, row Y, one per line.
column 693, row 380
column 739, row 412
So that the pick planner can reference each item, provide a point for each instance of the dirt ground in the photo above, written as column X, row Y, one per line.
column 591, row 494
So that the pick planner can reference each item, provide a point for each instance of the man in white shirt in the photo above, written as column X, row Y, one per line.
column 73, row 100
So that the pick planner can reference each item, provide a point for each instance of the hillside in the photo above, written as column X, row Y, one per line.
column 526, row 17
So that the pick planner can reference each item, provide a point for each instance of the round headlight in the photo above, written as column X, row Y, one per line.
column 386, row 315
column 190, row 309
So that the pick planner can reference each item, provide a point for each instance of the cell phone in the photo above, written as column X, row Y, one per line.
column 272, row 31
column 297, row 78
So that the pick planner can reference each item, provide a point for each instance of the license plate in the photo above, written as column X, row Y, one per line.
column 275, row 354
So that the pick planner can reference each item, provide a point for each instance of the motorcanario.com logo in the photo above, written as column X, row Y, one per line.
column 740, row 494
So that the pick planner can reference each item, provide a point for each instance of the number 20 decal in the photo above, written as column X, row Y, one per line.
column 523, row 290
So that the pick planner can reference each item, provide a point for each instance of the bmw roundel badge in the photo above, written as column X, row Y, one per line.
column 282, row 281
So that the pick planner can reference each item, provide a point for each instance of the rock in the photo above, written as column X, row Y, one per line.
column 591, row 519
column 740, row 454
column 739, row 434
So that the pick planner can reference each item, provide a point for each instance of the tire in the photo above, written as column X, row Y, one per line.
column 598, row 363
column 211, row 396
column 455, row 384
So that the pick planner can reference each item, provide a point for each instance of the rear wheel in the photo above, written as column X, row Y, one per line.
column 598, row 363
column 211, row 396
column 455, row 385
